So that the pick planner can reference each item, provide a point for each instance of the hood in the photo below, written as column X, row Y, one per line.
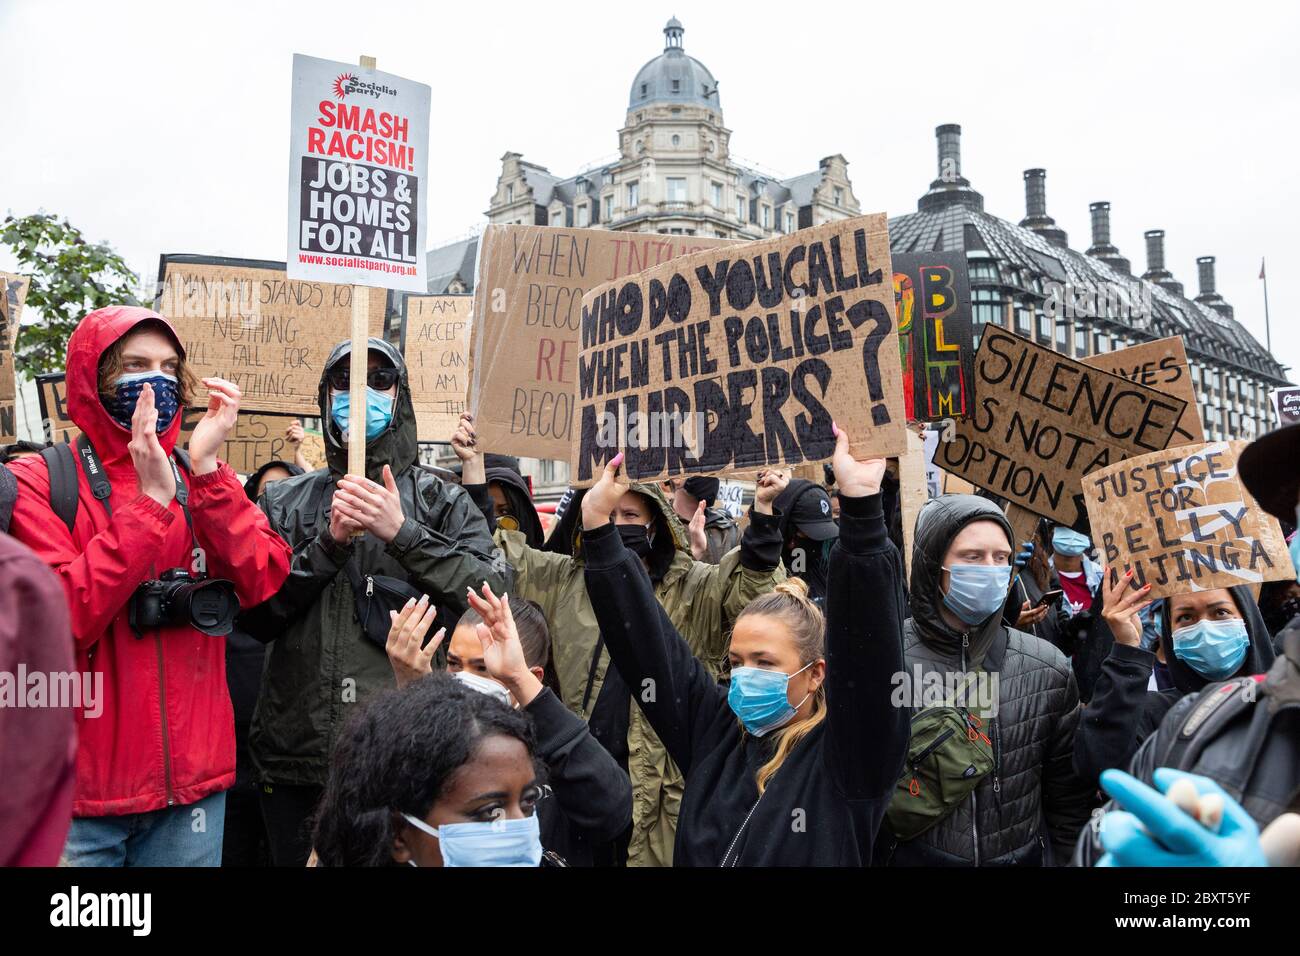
column 521, row 502
column 250, row 485
column 396, row 445
column 1259, row 656
column 718, row 518
column 938, row 523
column 87, row 344
column 670, row 533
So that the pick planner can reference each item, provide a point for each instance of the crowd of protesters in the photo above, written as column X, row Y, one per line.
column 313, row 667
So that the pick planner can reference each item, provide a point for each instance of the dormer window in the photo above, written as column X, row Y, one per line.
column 643, row 93
column 510, row 192
column 677, row 86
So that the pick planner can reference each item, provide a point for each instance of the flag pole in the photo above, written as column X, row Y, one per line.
column 1268, row 332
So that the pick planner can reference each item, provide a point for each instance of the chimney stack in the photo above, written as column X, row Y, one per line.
column 1205, row 274
column 1156, row 271
column 950, row 187
column 1101, row 247
column 1036, row 217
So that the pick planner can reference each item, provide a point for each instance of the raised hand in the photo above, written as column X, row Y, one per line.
column 503, row 654
column 152, row 469
column 464, row 442
column 853, row 478
column 770, row 484
column 602, row 498
column 375, row 508
column 1120, row 605
column 699, row 540
column 215, row 426
column 410, row 660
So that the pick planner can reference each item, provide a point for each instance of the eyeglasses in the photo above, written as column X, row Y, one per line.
column 382, row 378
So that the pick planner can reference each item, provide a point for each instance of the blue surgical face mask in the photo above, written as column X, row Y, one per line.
column 1214, row 649
column 495, row 843
column 1069, row 542
column 379, row 411
column 761, row 699
column 977, row 591
column 126, row 393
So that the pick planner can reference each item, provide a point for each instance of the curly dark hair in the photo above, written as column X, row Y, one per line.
column 397, row 754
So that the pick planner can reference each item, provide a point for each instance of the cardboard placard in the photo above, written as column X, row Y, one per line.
column 1286, row 401
column 435, row 341
column 935, row 334
column 247, row 322
column 8, row 396
column 358, row 175
column 738, row 359
column 1042, row 421
column 13, row 288
column 912, row 493
column 255, row 439
column 527, row 318
column 1161, row 365
column 1182, row 520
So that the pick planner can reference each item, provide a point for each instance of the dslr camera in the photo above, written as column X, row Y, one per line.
column 177, row 598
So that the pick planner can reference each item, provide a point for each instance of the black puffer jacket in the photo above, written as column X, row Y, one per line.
column 320, row 662
column 1033, row 796
column 1123, row 712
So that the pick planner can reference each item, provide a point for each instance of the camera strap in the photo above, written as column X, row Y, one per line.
column 102, row 489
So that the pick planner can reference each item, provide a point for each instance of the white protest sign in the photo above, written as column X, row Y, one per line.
column 358, row 175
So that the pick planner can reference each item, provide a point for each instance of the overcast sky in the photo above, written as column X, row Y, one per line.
column 164, row 127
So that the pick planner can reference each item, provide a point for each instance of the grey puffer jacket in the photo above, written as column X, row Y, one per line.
column 1030, row 809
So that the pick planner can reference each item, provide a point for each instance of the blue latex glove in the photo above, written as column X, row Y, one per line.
column 1026, row 552
column 1171, row 836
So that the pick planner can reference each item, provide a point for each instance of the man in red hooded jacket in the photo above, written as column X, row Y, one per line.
column 153, row 766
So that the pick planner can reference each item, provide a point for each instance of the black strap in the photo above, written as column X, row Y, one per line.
column 62, row 467
column 1216, row 706
column 591, row 673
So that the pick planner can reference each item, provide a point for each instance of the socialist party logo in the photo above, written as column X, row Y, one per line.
column 346, row 84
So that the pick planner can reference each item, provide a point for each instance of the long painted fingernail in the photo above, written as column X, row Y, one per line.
column 617, row 460
column 835, row 430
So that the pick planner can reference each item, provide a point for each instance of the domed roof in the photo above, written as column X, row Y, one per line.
column 674, row 77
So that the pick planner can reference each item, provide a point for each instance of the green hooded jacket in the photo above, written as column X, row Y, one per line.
column 320, row 663
column 702, row 600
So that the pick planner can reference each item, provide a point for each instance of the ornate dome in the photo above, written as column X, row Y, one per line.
column 674, row 77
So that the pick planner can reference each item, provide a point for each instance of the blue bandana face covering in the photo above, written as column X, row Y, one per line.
column 497, row 843
column 379, row 411
column 1069, row 542
column 1214, row 649
column 127, row 389
column 760, row 698
column 976, row 591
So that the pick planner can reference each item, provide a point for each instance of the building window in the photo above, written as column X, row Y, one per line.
column 582, row 215
column 633, row 194
column 677, row 140
column 984, row 270
column 837, row 195
column 717, row 194
column 676, row 189
column 1024, row 319
column 740, row 209
column 643, row 89
column 1044, row 328
column 510, row 192
column 986, row 307
column 789, row 222
column 1080, row 342
column 677, row 86
column 609, row 208
column 767, row 217
column 1063, row 337
column 557, row 218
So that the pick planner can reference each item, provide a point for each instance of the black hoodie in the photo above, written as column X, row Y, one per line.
column 1123, row 712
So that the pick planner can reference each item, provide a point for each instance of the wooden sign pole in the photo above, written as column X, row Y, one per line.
column 359, row 364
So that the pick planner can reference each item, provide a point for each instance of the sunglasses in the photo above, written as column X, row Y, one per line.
column 380, row 378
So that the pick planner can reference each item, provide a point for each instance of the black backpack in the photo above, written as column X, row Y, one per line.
column 8, row 495
column 61, row 462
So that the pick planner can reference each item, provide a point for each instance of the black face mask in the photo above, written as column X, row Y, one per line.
column 636, row 538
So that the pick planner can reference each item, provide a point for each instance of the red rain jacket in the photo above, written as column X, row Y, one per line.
column 166, row 734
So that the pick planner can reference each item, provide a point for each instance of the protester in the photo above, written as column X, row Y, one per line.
column 414, row 534
column 38, row 745
column 794, row 764
column 490, row 654
column 433, row 775
column 1026, row 609
column 153, row 768
column 808, row 531
column 711, row 530
column 1027, row 713
column 1206, row 637
column 244, row 842
column 702, row 600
